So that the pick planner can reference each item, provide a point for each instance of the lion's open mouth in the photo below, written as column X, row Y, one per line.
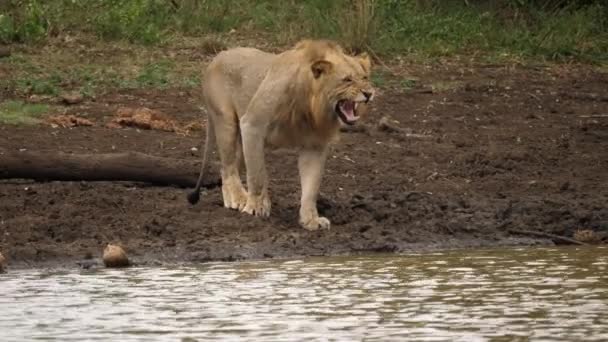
column 347, row 111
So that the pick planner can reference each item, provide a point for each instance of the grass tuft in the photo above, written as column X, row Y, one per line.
column 20, row 113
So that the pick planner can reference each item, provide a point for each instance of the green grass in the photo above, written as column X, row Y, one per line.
column 20, row 113
column 554, row 30
column 52, row 71
column 155, row 74
column 379, row 79
column 407, row 83
column 383, row 78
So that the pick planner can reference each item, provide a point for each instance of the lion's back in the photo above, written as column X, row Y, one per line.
column 239, row 72
column 243, row 64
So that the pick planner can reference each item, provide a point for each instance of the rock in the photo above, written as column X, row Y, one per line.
column 587, row 236
column 72, row 98
column 2, row 263
column 88, row 262
column 39, row 98
column 387, row 125
column 115, row 256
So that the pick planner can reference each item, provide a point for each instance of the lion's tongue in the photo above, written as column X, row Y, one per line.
column 348, row 109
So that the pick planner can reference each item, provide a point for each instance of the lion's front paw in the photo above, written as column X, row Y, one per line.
column 258, row 205
column 315, row 223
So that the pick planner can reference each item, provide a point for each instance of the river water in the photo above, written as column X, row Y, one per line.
column 536, row 294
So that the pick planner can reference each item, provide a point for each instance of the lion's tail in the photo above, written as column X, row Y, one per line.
column 195, row 195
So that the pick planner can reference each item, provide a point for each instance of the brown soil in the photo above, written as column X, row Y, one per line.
column 489, row 150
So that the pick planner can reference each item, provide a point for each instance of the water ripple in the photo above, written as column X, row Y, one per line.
column 545, row 294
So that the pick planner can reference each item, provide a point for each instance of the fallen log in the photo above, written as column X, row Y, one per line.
column 126, row 166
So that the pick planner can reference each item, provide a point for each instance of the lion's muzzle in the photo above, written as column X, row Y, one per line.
column 347, row 111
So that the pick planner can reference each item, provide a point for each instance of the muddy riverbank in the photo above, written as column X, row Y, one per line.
column 479, row 151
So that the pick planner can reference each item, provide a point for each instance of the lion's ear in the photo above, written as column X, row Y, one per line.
column 365, row 61
column 320, row 67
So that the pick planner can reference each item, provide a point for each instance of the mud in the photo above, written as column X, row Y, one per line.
column 474, row 152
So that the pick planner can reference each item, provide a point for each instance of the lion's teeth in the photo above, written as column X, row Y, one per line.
column 356, row 105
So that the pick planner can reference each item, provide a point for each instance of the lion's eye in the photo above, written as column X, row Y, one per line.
column 347, row 79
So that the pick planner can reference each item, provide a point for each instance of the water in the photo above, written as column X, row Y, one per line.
column 546, row 294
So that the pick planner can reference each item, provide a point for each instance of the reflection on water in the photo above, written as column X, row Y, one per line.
column 498, row 295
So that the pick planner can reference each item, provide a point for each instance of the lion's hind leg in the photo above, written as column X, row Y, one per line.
column 229, row 148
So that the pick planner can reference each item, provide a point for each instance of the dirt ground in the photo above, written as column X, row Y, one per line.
column 481, row 151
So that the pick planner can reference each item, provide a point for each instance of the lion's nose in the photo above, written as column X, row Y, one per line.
column 367, row 95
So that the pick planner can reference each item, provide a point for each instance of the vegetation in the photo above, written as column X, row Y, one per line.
column 90, row 46
column 555, row 30
column 17, row 112
column 56, row 70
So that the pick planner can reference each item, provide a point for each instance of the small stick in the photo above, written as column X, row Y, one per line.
column 418, row 136
column 420, row 91
column 547, row 235
column 594, row 116
column 376, row 57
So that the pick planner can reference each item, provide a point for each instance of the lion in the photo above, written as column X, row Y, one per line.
column 297, row 99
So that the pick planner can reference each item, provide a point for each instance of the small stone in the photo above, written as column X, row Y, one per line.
column 115, row 256
column 587, row 236
column 2, row 263
column 86, row 264
column 72, row 98
column 38, row 98
column 387, row 125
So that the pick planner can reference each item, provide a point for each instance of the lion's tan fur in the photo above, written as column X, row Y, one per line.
column 258, row 99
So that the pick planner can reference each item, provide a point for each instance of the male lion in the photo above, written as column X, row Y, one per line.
column 296, row 99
